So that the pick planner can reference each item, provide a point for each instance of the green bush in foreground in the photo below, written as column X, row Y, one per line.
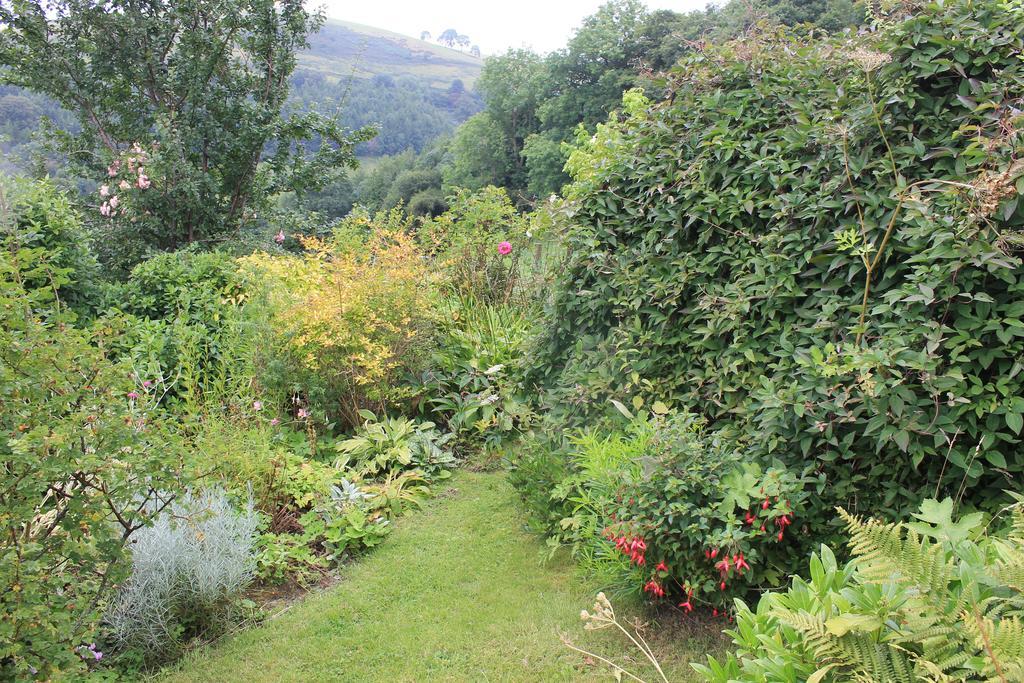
column 931, row 600
column 85, row 455
column 815, row 245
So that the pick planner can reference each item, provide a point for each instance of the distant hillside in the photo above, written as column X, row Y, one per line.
column 412, row 90
column 342, row 49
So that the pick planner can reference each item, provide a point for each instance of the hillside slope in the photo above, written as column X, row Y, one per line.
column 342, row 49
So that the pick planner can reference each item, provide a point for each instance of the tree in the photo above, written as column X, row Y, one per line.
column 475, row 51
column 511, row 85
column 425, row 35
column 462, row 41
column 180, row 105
column 479, row 154
column 449, row 37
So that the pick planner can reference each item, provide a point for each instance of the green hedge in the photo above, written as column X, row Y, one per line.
column 722, row 237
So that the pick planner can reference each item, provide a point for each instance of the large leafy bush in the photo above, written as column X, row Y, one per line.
column 466, row 243
column 38, row 216
column 85, row 455
column 930, row 600
column 350, row 316
column 815, row 245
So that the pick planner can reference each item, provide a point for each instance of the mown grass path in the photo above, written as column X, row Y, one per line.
column 456, row 593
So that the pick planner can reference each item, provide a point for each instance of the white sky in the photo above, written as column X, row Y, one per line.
column 543, row 25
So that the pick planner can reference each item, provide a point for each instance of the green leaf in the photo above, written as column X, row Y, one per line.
column 841, row 625
column 818, row 675
column 1015, row 422
column 622, row 409
column 659, row 408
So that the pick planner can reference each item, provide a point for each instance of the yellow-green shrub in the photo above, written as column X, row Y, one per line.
column 349, row 315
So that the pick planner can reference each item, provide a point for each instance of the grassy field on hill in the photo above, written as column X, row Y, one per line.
column 342, row 49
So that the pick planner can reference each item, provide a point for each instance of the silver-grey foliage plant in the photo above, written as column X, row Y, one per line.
column 186, row 568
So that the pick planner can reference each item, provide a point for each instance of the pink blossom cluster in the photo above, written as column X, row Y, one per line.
column 134, row 167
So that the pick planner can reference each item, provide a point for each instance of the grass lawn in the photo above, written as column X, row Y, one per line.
column 456, row 593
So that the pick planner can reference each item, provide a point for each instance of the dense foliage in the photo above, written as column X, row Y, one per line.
column 814, row 247
column 534, row 104
column 86, row 456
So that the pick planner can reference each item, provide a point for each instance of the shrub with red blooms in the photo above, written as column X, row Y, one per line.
column 705, row 526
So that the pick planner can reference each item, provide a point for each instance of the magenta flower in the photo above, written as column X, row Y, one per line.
column 303, row 413
column 257, row 405
column 279, row 237
column 133, row 394
column 505, row 248
column 147, row 384
column 275, row 422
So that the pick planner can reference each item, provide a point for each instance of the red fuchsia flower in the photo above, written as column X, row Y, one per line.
column 740, row 563
column 654, row 588
column 721, row 586
column 784, row 521
column 505, row 248
column 687, row 605
column 279, row 237
column 780, row 536
column 764, row 505
column 713, row 554
column 661, row 567
column 641, row 561
column 723, row 565
column 714, row 612
column 749, row 519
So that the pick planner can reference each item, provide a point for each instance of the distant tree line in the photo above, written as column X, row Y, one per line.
column 534, row 105
column 453, row 39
